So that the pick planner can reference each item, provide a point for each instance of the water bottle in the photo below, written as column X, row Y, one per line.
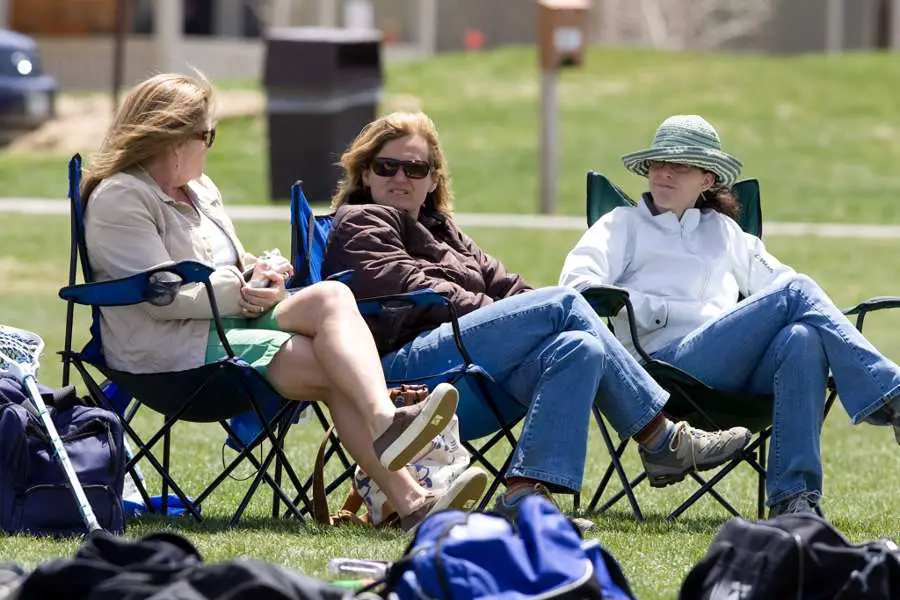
column 271, row 259
column 354, row 566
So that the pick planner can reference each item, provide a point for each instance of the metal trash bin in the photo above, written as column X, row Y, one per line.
column 323, row 85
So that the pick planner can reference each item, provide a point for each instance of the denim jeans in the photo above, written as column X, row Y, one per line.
column 553, row 356
column 782, row 341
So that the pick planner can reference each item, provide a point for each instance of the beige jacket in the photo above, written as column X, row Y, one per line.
column 132, row 226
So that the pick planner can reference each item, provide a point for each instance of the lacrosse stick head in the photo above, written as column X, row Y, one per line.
column 20, row 352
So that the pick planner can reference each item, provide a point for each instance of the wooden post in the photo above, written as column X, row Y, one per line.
column 428, row 16
column 327, row 13
column 608, row 16
column 168, row 28
column 123, row 27
column 834, row 26
column 894, row 35
column 549, row 139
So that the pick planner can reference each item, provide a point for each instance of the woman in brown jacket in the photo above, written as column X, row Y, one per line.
column 149, row 204
column 546, row 348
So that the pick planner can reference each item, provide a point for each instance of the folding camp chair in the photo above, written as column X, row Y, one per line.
column 480, row 430
column 690, row 399
column 214, row 392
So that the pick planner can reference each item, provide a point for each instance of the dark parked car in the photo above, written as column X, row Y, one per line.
column 27, row 94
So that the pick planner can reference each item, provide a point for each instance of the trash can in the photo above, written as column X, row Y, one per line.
column 322, row 85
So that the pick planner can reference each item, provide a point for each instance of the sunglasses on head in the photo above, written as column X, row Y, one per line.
column 208, row 136
column 388, row 167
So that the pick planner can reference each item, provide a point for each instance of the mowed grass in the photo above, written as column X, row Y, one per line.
column 820, row 132
column 860, row 462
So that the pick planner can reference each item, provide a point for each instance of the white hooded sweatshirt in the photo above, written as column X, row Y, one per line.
column 679, row 273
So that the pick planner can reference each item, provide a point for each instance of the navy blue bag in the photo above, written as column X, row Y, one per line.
column 35, row 496
column 467, row 556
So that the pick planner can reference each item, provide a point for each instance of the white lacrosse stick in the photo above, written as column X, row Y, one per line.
column 19, row 354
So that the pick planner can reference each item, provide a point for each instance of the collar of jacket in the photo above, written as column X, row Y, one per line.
column 667, row 220
column 198, row 196
column 428, row 217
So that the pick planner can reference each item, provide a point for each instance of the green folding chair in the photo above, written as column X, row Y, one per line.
column 690, row 399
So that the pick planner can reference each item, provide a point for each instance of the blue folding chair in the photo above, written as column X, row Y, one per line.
column 482, row 421
column 211, row 393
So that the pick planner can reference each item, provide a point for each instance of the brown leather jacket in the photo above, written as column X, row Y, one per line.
column 391, row 253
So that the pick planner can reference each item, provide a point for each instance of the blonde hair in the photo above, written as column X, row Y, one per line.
column 156, row 115
column 358, row 157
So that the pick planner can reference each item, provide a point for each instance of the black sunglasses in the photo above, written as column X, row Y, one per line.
column 208, row 136
column 388, row 167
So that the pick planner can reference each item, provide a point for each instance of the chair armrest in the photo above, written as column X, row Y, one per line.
column 871, row 305
column 405, row 301
column 416, row 299
column 342, row 276
column 608, row 301
column 157, row 286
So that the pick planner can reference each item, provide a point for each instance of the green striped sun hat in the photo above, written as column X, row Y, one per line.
column 688, row 140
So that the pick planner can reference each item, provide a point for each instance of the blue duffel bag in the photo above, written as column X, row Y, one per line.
column 35, row 495
column 478, row 556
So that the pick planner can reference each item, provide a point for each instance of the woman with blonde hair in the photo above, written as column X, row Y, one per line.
column 546, row 348
column 148, row 203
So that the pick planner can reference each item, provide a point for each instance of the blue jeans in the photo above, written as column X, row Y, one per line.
column 782, row 341
column 553, row 356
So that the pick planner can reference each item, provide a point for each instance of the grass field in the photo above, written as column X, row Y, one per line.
column 860, row 463
column 819, row 131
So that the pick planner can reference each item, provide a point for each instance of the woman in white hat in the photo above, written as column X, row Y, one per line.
column 686, row 265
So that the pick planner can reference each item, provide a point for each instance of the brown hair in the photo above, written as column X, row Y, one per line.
column 358, row 157
column 156, row 115
column 721, row 199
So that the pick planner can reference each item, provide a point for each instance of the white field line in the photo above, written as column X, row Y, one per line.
column 280, row 212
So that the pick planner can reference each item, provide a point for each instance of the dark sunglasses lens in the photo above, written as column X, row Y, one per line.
column 385, row 167
column 388, row 167
column 416, row 170
column 210, row 138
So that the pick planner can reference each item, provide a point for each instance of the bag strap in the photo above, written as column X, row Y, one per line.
column 406, row 394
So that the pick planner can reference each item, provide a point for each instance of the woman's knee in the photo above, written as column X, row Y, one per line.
column 321, row 300
column 802, row 283
column 296, row 373
column 575, row 312
column 802, row 339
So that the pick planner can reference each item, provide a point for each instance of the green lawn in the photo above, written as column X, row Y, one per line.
column 821, row 132
column 859, row 462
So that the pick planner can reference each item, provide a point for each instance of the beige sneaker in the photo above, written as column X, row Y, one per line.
column 415, row 426
column 463, row 494
column 692, row 449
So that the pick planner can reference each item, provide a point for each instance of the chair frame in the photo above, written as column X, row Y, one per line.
column 683, row 388
column 309, row 237
column 145, row 286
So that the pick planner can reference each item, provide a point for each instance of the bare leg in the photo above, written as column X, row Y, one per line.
column 326, row 312
column 297, row 373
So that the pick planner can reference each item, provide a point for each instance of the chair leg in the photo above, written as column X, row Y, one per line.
column 708, row 486
column 280, row 434
column 166, row 465
column 607, row 475
column 761, row 479
column 617, row 465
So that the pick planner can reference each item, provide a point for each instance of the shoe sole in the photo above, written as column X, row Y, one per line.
column 434, row 418
column 463, row 494
column 668, row 479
